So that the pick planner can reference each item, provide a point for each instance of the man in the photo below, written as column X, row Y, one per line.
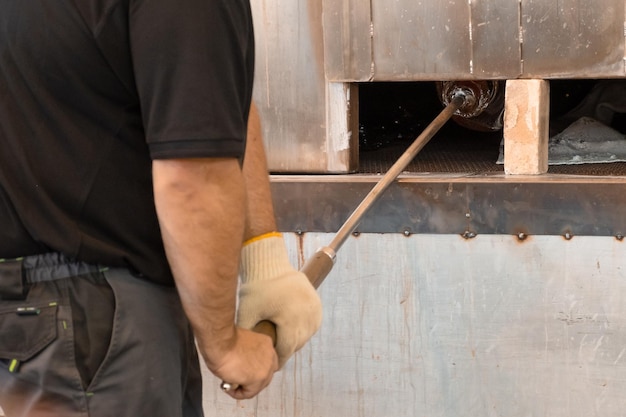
column 124, row 205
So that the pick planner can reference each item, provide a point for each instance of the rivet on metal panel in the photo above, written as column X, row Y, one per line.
column 568, row 236
column 468, row 235
column 299, row 232
column 407, row 232
column 522, row 236
column 619, row 237
column 468, row 215
column 356, row 233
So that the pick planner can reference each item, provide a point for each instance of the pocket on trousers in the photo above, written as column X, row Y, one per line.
column 26, row 330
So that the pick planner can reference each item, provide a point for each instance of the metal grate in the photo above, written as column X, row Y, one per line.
column 451, row 150
column 392, row 115
column 458, row 150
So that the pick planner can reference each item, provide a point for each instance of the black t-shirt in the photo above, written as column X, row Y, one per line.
column 90, row 92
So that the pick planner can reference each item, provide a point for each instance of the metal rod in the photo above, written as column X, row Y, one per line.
column 318, row 266
column 396, row 169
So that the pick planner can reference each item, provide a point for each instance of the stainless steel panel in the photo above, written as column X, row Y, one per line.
column 460, row 39
column 290, row 87
column 421, row 38
column 435, row 325
column 456, row 204
column 348, row 39
column 495, row 39
column 573, row 38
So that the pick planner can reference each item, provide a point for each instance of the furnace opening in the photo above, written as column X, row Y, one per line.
column 393, row 114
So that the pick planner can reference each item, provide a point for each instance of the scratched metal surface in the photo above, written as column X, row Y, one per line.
column 573, row 38
column 348, row 49
column 290, row 84
column 495, row 35
column 455, row 203
column 435, row 325
column 412, row 38
column 455, row 39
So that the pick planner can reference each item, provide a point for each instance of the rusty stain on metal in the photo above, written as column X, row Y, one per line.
column 468, row 234
column 300, row 251
column 521, row 234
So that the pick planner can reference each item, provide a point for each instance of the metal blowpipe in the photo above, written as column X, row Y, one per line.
column 318, row 266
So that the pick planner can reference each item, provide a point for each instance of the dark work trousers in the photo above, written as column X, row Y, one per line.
column 78, row 340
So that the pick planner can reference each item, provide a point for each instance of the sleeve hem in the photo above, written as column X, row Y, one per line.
column 214, row 148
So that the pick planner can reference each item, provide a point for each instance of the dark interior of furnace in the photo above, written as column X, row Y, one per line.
column 392, row 115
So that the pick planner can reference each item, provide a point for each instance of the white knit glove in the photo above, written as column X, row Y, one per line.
column 271, row 289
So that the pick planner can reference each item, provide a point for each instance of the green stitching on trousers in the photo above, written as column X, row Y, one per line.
column 14, row 365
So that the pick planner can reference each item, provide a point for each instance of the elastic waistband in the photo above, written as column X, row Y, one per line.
column 53, row 266
column 15, row 273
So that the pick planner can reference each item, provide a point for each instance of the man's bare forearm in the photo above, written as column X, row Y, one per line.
column 260, row 212
column 201, row 209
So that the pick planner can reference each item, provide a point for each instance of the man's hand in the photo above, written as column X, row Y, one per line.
column 248, row 366
column 273, row 290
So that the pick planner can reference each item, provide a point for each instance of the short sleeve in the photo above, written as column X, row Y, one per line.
column 193, row 63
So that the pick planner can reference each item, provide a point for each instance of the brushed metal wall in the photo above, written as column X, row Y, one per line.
column 290, row 84
column 460, row 204
column 436, row 325
column 456, row 39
